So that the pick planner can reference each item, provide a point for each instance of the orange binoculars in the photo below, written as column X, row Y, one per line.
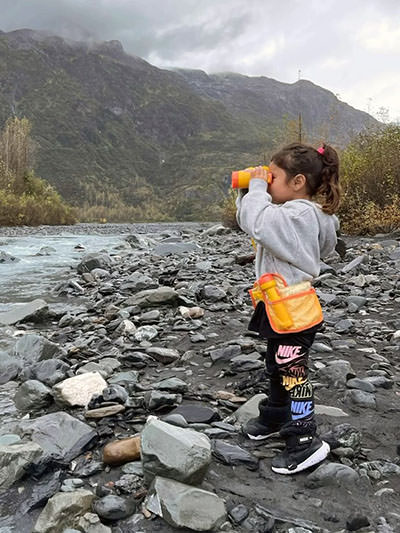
column 241, row 178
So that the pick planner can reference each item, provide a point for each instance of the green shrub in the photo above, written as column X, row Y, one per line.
column 228, row 206
column 370, row 177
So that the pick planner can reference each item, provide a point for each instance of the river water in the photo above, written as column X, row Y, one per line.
column 34, row 275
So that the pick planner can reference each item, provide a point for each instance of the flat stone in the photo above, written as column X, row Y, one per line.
column 194, row 413
column 154, row 297
column 102, row 412
column 176, row 248
column 184, row 506
column 63, row 510
column 231, row 454
column 329, row 410
column 361, row 384
column 78, row 390
column 167, row 450
column 60, row 435
column 35, row 311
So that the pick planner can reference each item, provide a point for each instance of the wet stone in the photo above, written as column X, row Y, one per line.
column 114, row 507
column 232, row 454
column 194, row 413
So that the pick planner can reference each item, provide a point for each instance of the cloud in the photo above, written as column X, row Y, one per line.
column 343, row 46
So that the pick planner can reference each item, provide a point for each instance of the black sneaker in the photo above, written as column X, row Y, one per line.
column 256, row 430
column 302, row 452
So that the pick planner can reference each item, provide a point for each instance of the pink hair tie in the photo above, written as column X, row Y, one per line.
column 321, row 150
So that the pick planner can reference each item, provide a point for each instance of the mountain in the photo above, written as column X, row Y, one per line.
column 109, row 126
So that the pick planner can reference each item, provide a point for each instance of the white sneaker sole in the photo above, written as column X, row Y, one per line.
column 317, row 457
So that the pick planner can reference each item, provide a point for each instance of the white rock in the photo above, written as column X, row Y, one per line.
column 78, row 390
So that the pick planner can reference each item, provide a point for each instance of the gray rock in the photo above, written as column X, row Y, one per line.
column 114, row 507
column 154, row 297
column 329, row 411
column 139, row 282
column 213, row 293
column 196, row 413
column 380, row 382
column 226, row 353
column 138, row 241
column 218, row 229
column 158, row 399
column 344, row 436
column 94, row 260
column 6, row 258
column 183, row 506
column 332, row 474
column 126, row 379
column 49, row 372
column 63, row 510
column 171, row 384
column 9, row 367
column 360, row 398
column 239, row 513
column 385, row 468
column 361, row 384
column 145, row 333
column 60, row 435
column 90, row 523
column 175, row 420
column 344, row 326
column 231, row 454
column 163, row 355
column 176, row 248
column 337, row 372
column 355, row 263
column 247, row 410
column 32, row 395
column 14, row 459
column 174, row 452
column 35, row 311
column 33, row 348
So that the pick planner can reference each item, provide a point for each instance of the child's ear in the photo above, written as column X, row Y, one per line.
column 299, row 181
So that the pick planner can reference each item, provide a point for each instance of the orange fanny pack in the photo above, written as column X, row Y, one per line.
column 290, row 308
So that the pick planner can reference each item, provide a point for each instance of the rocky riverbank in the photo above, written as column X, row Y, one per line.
column 162, row 330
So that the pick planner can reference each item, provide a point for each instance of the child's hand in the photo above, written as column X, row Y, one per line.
column 259, row 173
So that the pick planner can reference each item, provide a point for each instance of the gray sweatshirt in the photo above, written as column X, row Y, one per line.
column 291, row 237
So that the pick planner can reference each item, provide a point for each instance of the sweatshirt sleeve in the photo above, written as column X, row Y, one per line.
column 280, row 229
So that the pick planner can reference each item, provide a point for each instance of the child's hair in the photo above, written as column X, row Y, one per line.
column 320, row 168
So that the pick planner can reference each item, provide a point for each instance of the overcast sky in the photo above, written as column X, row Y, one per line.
column 351, row 47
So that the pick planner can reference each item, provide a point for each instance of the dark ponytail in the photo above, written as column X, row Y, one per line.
column 320, row 168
